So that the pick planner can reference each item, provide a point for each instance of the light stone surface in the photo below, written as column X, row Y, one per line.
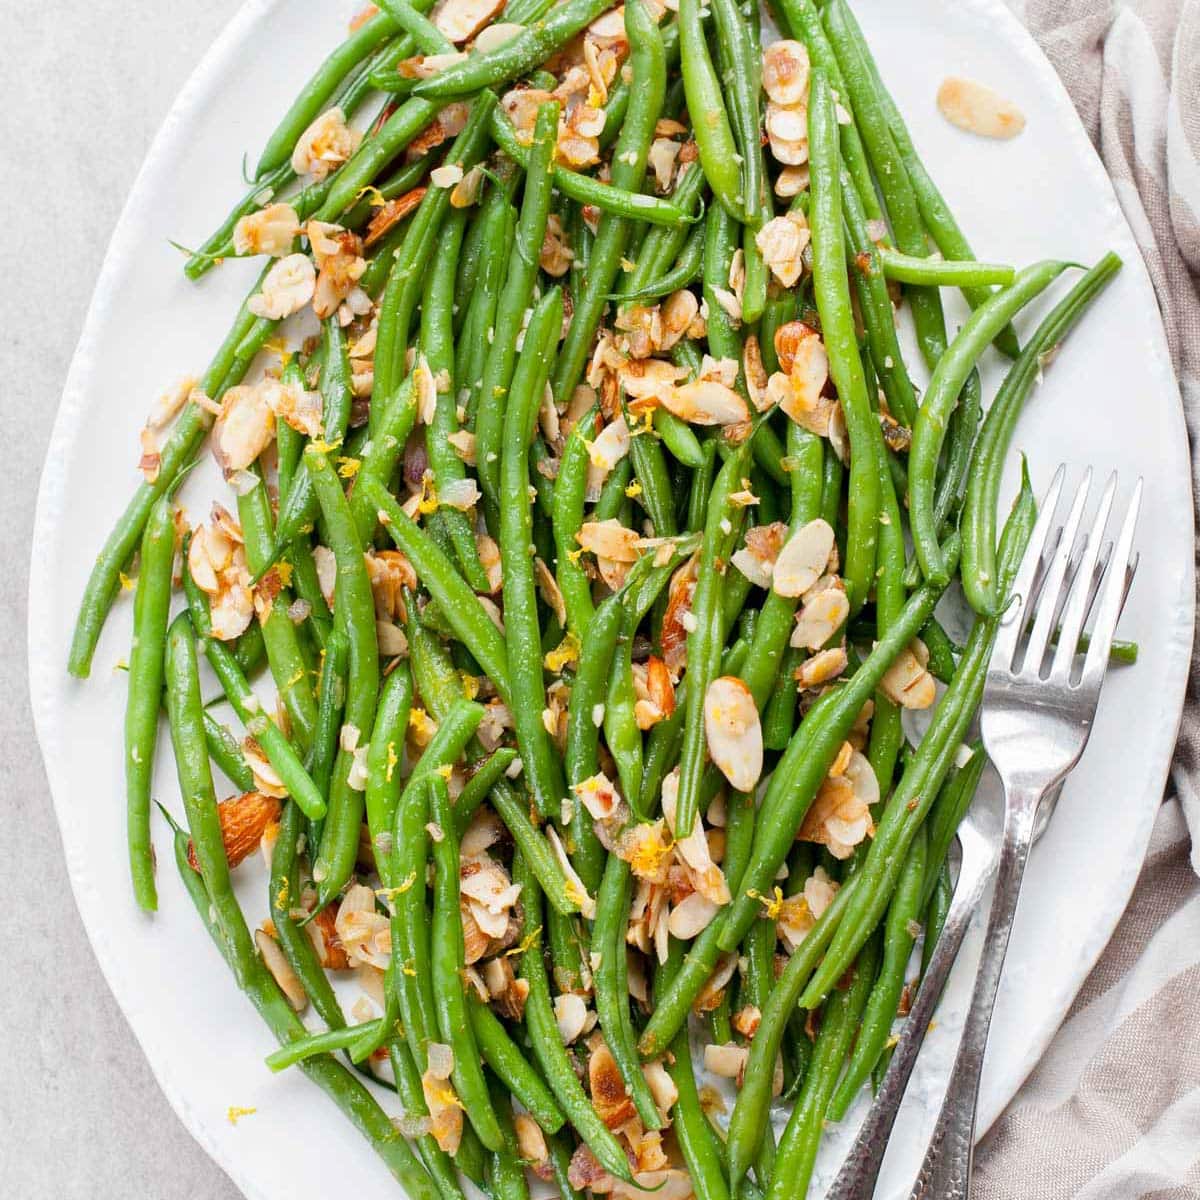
column 85, row 87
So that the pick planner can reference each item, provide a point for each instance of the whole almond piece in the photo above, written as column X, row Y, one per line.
column 244, row 820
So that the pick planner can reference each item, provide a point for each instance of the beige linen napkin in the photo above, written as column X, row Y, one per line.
column 1112, row 1112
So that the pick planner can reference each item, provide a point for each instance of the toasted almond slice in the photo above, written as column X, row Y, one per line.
column 782, row 241
column 281, row 970
column 822, row 667
column 785, row 72
column 733, row 731
column 244, row 820
column 609, row 539
column 270, row 230
column 459, row 20
column 863, row 778
column 496, row 35
column 727, row 1060
column 288, row 286
column 609, row 1097
column 691, row 916
column 907, row 682
column 978, row 109
column 823, row 614
column 803, row 558
column 706, row 402
column 791, row 181
column 571, row 1014
column 598, row 794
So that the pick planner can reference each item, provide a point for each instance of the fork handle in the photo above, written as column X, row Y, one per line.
column 946, row 1172
column 860, row 1172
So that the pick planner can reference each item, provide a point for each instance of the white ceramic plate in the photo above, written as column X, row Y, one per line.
column 1110, row 401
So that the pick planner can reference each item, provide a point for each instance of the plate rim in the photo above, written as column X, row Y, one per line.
column 224, row 53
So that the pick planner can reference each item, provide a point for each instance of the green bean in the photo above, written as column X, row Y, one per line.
column 325, row 1042
column 947, row 813
column 612, row 198
column 437, row 342
column 714, row 137
column 705, row 639
column 692, row 1129
column 544, row 1037
column 152, row 604
column 383, row 453
column 403, row 291
column 876, row 306
column 498, row 221
column 176, row 455
column 386, row 747
column 456, row 601
column 837, row 325
column 798, row 1146
column 650, row 470
column 612, row 991
column 481, row 782
column 919, row 785
column 355, row 614
column 582, row 761
column 506, row 1174
column 515, row 298
column 649, row 82
column 528, row 49
column 335, row 1080
column 678, row 437
column 942, row 395
column 562, row 893
column 449, row 963
column 941, row 272
column 685, row 271
column 512, row 1068
column 621, row 732
column 275, row 745
column 543, row 771
column 806, row 454
column 224, row 750
column 899, row 936
column 561, row 1153
column 570, row 491
column 331, row 700
column 412, row 978
column 299, row 509
column 924, row 302
column 250, row 650
column 284, row 893
column 279, row 634
column 987, row 460
column 185, row 709
column 936, row 912
column 750, row 1112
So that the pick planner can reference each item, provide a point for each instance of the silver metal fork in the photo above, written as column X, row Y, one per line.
column 1038, row 707
column 980, row 837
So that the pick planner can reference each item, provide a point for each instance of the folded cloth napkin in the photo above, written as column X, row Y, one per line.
column 1112, row 1112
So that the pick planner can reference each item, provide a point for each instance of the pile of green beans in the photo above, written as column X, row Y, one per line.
column 575, row 597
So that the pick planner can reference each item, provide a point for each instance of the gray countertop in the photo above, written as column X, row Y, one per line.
column 85, row 88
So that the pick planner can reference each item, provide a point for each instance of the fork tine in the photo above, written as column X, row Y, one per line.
column 1012, row 622
column 1049, row 601
column 1113, row 591
column 1082, row 596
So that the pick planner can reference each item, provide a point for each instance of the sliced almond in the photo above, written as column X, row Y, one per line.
column 733, row 731
column 803, row 558
column 691, row 916
column 244, row 820
column 706, row 402
column 281, row 970
column 906, row 682
column 978, row 109
column 822, row 667
column 823, row 614
column 785, row 72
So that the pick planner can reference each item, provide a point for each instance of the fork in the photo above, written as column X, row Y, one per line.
column 1037, row 715
column 979, row 839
